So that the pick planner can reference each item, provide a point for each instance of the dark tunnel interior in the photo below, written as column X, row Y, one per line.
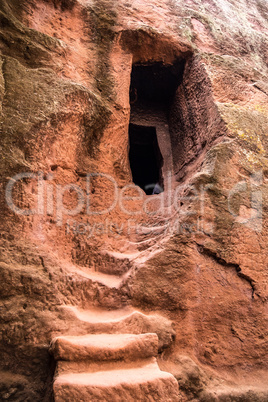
column 145, row 158
column 152, row 88
column 155, row 82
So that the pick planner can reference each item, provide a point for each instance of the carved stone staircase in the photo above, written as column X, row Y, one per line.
column 115, row 360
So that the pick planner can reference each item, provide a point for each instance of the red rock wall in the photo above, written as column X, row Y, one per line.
column 64, row 98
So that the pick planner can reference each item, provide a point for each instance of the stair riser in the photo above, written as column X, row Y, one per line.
column 86, row 294
column 164, row 390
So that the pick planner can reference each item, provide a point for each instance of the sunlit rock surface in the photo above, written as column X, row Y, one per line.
column 189, row 264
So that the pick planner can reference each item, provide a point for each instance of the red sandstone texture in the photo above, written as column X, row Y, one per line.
column 185, row 270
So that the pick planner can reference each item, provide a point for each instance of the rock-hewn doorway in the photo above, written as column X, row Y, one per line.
column 152, row 91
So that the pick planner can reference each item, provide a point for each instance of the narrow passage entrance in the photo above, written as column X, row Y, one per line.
column 145, row 158
column 152, row 90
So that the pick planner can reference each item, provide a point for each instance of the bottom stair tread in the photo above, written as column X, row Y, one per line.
column 147, row 383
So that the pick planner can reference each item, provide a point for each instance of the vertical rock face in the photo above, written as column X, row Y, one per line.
column 74, row 229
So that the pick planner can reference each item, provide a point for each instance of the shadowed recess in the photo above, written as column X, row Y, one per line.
column 152, row 91
column 145, row 157
column 155, row 82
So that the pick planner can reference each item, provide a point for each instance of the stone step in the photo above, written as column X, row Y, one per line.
column 105, row 347
column 94, row 288
column 110, row 281
column 113, row 263
column 145, row 383
column 90, row 366
column 99, row 315
column 124, row 321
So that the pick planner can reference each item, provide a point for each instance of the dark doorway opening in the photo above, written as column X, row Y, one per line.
column 155, row 82
column 152, row 90
column 145, row 158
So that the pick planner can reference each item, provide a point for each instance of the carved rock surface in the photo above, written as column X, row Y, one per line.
column 197, row 257
column 110, row 366
column 145, row 383
column 105, row 347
